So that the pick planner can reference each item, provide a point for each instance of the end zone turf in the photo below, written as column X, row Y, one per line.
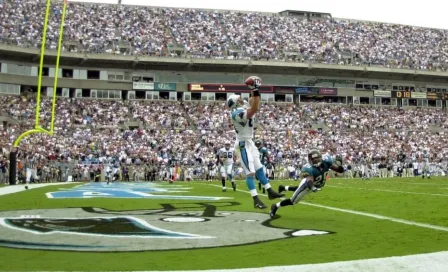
column 242, row 237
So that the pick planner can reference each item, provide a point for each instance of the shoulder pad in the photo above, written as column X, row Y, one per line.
column 238, row 112
column 307, row 170
column 327, row 159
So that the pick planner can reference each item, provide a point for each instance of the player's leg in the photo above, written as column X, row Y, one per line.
column 34, row 175
column 28, row 175
column 427, row 172
column 230, row 175
column 259, row 186
column 367, row 173
column 223, row 177
column 267, row 177
column 249, row 169
column 304, row 188
column 252, row 149
column 283, row 188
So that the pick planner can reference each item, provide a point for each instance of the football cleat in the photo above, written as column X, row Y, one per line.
column 259, row 205
column 273, row 194
column 234, row 186
column 273, row 211
column 224, row 189
column 281, row 188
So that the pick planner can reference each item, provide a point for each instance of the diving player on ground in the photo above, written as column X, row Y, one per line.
column 264, row 159
column 242, row 114
column 314, row 173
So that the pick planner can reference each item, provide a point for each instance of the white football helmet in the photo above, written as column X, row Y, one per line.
column 227, row 145
column 236, row 101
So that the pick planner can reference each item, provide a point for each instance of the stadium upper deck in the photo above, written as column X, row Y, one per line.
column 137, row 30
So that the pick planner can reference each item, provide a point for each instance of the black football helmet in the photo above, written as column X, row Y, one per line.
column 315, row 158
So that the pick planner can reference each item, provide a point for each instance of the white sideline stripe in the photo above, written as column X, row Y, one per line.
column 11, row 189
column 377, row 216
column 434, row 262
column 383, row 190
column 396, row 182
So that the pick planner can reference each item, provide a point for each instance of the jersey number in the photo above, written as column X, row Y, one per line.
column 227, row 155
column 320, row 180
column 251, row 124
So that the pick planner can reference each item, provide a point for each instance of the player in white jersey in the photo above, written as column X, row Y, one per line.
column 425, row 164
column 242, row 114
column 225, row 160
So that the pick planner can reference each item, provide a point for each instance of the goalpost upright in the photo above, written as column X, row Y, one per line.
column 37, row 127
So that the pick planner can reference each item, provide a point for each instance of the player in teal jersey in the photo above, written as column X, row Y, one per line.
column 264, row 159
column 314, row 176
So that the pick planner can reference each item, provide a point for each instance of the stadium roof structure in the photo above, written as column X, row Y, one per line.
column 308, row 14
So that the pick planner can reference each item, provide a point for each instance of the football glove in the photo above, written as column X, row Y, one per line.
column 339, row 160
column 253, row 82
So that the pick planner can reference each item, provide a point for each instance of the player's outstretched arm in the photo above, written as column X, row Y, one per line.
column 337, row 165
column 254, row 83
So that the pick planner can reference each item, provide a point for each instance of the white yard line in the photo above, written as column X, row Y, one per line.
column 434, row 262
column 11, row 189
column 372, row 215
column 392, row 181
column 384, row 190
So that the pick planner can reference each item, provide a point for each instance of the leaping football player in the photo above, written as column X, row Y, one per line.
column 242, row 114
column 225, row 160
column 264, row 159
column 314, row 176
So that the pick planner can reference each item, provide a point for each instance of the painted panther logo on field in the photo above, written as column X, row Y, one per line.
column 130, row 190
column 175, row 226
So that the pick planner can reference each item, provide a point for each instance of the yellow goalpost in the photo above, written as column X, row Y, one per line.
column 37, row 127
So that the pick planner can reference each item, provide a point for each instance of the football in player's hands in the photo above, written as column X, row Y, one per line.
column 253, row 82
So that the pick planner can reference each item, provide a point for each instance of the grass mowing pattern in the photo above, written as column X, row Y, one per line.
column 356, row 237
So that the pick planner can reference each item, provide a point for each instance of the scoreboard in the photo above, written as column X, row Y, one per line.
column 419, row 95
column 401, row 94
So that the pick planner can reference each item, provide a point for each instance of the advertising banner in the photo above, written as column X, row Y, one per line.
column 437, row 96
column 226, row 88
column 160, row 86
column 418, row 95
column 307, row 90
column 143, row 85
column 381, row 93
column 284, row 90
column 328, row 91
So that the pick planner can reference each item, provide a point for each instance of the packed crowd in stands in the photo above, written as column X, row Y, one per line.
column 138, row 30
column 90, row 133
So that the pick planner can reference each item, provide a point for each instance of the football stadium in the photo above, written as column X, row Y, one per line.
column 142, row 138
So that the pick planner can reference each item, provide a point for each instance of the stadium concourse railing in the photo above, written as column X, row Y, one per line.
column 76, row 47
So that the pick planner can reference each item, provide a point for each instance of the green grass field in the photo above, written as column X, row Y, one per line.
column 354, row 237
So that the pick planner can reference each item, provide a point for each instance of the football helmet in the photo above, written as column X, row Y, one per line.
column 227, row 145
column 235, row 101
column 315, row 158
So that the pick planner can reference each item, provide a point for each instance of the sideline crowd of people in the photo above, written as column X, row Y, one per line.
column 92, row 135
